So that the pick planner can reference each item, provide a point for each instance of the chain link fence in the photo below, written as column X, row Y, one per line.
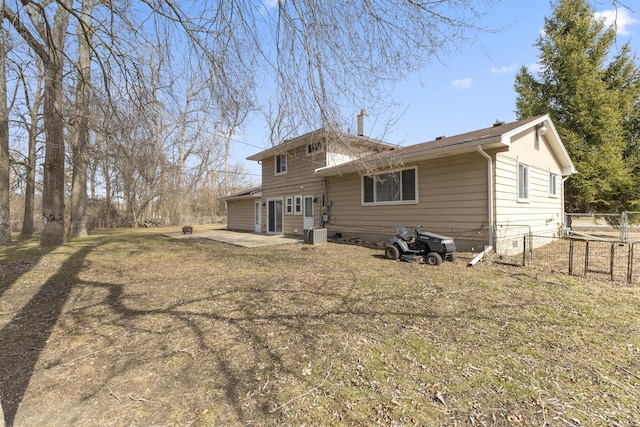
column 601, row 259
column 601, row 246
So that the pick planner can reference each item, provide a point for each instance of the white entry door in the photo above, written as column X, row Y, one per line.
column 308, row 212
column 258, row 217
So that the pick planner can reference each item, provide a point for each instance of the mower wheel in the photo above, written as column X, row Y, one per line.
column 452, row 257
column 433, row 258
column 392, row 252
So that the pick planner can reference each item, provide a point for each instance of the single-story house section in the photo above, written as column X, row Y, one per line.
column 244, row 210
column 486, row 187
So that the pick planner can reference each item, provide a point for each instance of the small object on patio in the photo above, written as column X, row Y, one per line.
column 187, row 229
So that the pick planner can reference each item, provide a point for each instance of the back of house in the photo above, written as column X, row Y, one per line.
column 486, row 187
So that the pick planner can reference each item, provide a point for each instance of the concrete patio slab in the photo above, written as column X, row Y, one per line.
column 247, row 240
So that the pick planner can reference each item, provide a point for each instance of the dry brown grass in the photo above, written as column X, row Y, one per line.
column 132, row 328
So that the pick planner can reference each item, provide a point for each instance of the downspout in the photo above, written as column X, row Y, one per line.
column 564, row 214
column 489, row 192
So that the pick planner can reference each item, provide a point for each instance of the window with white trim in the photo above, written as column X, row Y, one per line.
column 281, row 164
column 314, row 147
column 523, row 182
column 553, row 184
column 289, row 205
column 392, row 187
column 297, row 205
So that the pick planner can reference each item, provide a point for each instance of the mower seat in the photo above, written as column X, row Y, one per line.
column 402, row 233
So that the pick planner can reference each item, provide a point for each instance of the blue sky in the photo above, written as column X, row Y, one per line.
column 464, row 91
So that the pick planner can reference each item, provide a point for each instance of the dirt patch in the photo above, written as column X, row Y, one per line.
column 132, row 328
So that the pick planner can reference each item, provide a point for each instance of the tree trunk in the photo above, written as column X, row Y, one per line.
column 53, row 231
column 80, row 153
column 5, row 217
column 30, row 190
column 106, row 170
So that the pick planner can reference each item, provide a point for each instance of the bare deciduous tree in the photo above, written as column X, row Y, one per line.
column 31, row 123
column 80, row 139
column 46, row 37
column 5, row 214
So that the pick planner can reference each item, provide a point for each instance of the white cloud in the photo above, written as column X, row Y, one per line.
column 620, row 18
column 504, row 70
column 462, row 84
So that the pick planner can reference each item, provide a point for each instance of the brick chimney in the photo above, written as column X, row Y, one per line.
column 361, row 117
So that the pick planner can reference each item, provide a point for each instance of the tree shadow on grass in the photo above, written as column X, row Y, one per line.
column 248, row 326
column 254, row 338
column 23, row 258
column 23, row 339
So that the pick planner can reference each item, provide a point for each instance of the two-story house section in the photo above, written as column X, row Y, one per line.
column 292, row 197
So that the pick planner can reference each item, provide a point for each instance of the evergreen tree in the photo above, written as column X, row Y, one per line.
column 592, row 94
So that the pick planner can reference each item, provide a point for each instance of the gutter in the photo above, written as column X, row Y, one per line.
column 489, row 192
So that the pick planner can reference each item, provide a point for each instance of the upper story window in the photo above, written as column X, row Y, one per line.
column 281, row 164
column 389, row 188
column 523, row 182
column 553, row 184
column 314, row 147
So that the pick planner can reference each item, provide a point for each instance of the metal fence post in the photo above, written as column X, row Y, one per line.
column 586, row 257
column 631, row 262
column 571, row 242
column 611, row 261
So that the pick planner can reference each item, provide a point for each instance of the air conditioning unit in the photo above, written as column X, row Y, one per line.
column 315, row 236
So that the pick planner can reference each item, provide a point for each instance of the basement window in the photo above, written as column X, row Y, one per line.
column 390, row 188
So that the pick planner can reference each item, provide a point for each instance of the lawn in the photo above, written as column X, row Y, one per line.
column 130, row 328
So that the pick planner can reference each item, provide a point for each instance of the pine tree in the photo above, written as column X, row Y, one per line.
column 592, row 95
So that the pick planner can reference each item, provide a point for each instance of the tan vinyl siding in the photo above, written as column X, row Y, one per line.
column 298, row 181
column 240, row 214
column 525, row 148
column 541, row 207
column 541, row 214
column 452, row 200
